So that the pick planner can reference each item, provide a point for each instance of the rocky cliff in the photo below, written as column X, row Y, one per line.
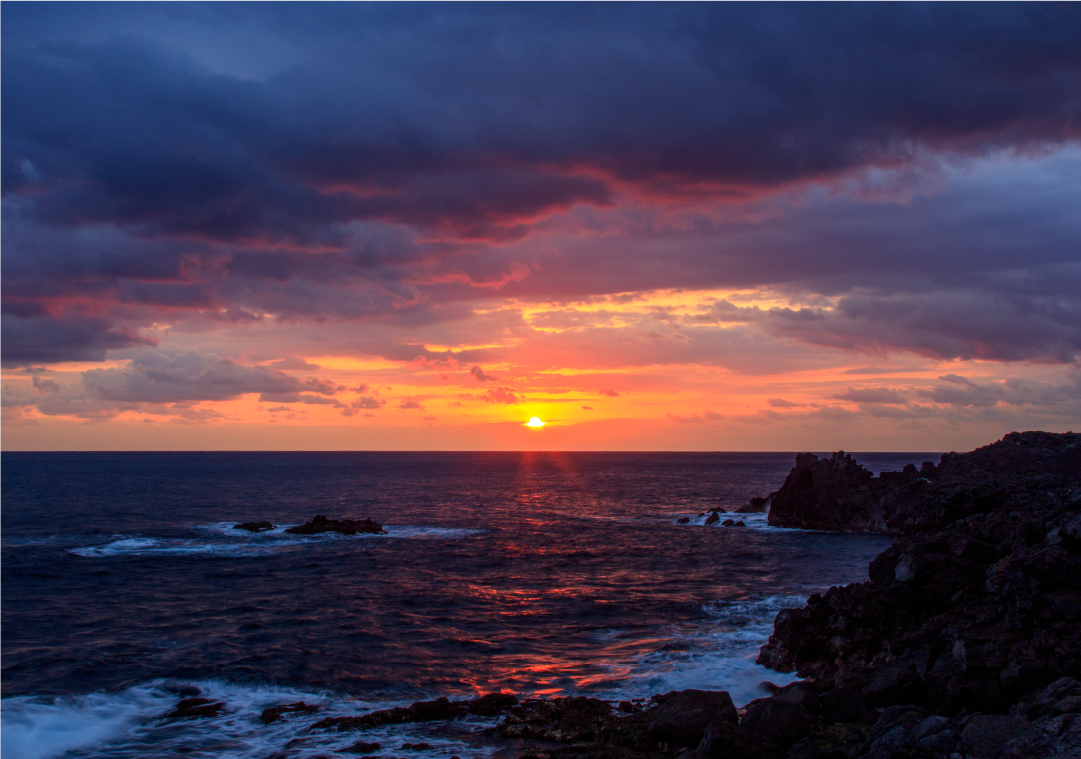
column 972, row 619
column 839, row 494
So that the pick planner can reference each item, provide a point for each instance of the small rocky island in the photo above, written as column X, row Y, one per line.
column 964, row 644
column 321, row 524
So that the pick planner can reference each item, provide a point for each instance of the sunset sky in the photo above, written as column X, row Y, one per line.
column 675, row 227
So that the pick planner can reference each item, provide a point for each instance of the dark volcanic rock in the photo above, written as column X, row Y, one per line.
column 422, row 711
column 683, row 520
column 558, row 720
column 827, row 494
column 756, row 505
column 491, row 704
column 839, row 494
column 274, row 713
column 345, row 526
column 713, row 518
column 972, row 613
column 196, row 708
column 986, row 735
column 778, row 720
column 966, row 611
column 254, row 526
column 684, row 716
column 723, row 740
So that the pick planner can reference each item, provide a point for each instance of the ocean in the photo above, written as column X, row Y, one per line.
column 126, row 588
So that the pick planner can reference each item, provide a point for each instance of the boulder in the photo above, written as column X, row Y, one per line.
column 490, row 704
column 897, row 683
column 986, row 735
column 559, row 720
column 756, row 505
column 254, row 526
column 421, row 711
column 321, row 524
column 723, row 740
column 683, row 520
column 778, row 720
column 713, row 518
column 196, row 708
column 684, row 716
column 274, row 713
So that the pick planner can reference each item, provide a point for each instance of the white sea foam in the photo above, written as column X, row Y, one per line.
column 117, row 547
column 129, row 724
column 717, row 654
column 39, row 728
column 253, row 543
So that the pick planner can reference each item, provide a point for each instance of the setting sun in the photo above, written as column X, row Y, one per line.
column 534, row 422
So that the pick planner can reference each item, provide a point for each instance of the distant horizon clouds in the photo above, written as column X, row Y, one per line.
column 788, row 224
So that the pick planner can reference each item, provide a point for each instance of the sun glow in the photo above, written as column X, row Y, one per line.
column 535, row 422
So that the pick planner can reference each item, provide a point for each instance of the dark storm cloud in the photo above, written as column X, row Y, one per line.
column 48, row 340
column 160, row 376
column 356, row 161
column 471, row 116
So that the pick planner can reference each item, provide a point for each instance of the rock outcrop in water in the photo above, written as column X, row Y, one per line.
column 967, row 638
column 254, row 526
column 839, row 494
column 321, row 524
column 196, row 708
column 422, row 711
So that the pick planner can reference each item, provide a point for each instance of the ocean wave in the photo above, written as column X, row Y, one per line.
column 251, row 544
column 716, row 654
column 130, row 724
column 758, row 521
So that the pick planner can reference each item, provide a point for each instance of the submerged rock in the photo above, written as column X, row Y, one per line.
column 254, row 526
column 488, row 705
column 196, row 708
column 274, row 713
column 321, row 524
column 756, row 505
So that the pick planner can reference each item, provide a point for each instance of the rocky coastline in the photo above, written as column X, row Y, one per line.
column 965, row 643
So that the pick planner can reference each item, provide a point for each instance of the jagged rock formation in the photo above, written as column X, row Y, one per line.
column 967, row 634
column 839, row 494
column 254, row 526
column 321, row 524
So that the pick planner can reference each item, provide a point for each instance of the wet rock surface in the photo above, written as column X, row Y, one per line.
column 422, row 711
column 321, row 524
column 254, row 526
column 196, row 708
column 274, row 713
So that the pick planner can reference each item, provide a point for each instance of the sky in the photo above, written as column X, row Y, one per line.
column 653, row 226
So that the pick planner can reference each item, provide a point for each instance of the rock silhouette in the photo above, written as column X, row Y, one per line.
column 321, row 524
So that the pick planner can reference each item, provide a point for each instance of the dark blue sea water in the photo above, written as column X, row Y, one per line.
column 537, row 573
